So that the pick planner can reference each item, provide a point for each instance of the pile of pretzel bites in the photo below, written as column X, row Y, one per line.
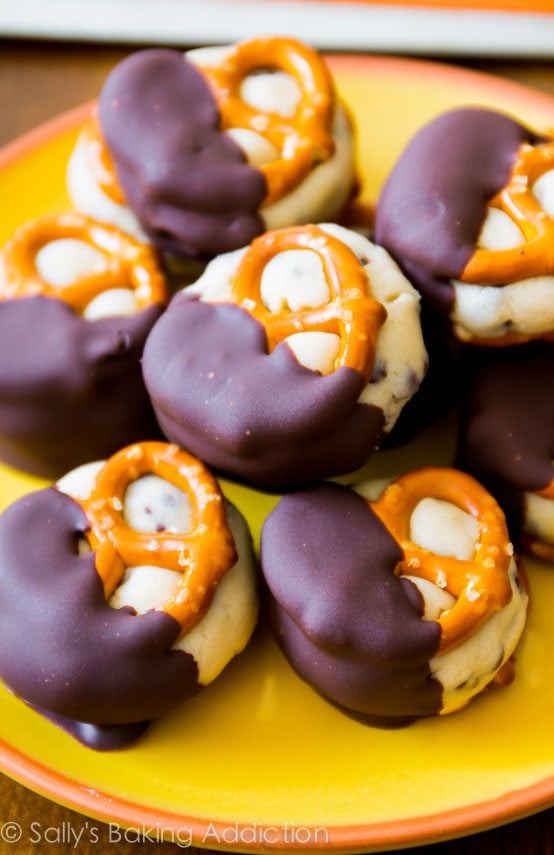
column 208, row 307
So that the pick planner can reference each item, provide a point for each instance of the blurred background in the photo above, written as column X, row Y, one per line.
column 468, row 27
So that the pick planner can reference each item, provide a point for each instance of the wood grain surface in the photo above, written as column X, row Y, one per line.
column 38, row 81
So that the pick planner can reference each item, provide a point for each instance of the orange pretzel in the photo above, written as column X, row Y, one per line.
column 535, row 257
column 539, row 548
column 100, row 161
column 481, row 586
column 303, row 141
column 351, row 313
column 202, row 555
column 129, row 263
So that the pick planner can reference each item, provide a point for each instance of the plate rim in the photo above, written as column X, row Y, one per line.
column 466, row 819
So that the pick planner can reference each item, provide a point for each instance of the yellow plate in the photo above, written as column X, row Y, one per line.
column 258, row 759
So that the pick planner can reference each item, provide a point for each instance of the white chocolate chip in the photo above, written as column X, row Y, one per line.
column 317, row 351
column 63, row 262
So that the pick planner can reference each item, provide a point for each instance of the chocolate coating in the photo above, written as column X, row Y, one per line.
column 113, row 737
column 347, row 625
column 188, row 183
column 507, row 430
column 71, row 390
column 434, row 201
column 262, row 418
column 62, row 647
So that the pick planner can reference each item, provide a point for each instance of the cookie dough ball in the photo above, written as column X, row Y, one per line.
column 507, row 440
column 77, row 301
column 202, row 152
column 355, row 615
column 166, row 601
column 302, row 404
column 467, row 211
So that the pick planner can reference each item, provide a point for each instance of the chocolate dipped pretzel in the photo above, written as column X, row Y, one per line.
column 202, row 152
column 397, row 601
column 468, row 212
column 139, row 582
column 507, row 440
column 288, row 360
column 77, row 301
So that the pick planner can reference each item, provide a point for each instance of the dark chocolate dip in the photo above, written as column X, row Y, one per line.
column 434, row 202
column 507, row 430
column 260, row 417
column 62, row 647
column 188, row 183
column 71, row 390
column 348, row 626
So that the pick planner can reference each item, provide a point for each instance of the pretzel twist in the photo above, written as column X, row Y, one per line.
column 304, row 140
column 202, row 555
column 481, row 586
column 129, row 263
column 351, row 313
column 535, row 257
column 99, row 160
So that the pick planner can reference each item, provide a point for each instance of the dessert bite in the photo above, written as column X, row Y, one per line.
column 77, row 301
column 397, row 601
column 201, row 152
column 138, row 579
column 288, row 359
column 507, row 440
column 468, row 212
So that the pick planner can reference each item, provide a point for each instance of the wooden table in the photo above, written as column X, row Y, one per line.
column 38, row 81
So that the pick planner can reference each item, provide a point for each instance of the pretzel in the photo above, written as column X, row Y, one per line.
column 542, row 550
column 100, row 161
column 129, row 263
column 481, row 586
column 303, row 141
column 202, row 555
column 351, row 313
column 535, row 257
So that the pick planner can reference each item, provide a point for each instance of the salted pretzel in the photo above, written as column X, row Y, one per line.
column 535, row 257
column 304, row 140
column 129, row 263
column 542, row 550
column 481, row 586
column 202, row 555
column 99, row 160
column 351, row 313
